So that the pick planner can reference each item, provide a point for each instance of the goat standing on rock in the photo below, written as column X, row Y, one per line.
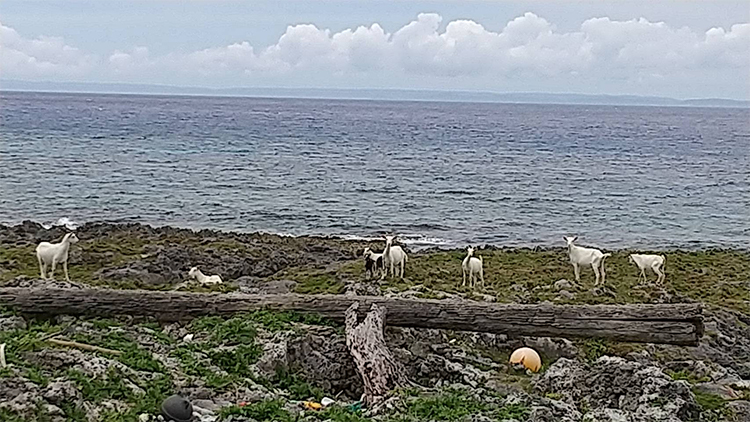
column 473, row 266
column 373, row 262
column 655, row 262
column 55, row 253
column 393, row 257
column 586, row 256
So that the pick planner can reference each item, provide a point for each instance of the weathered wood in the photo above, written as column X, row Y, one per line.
column 669, row 323
column 83, row 346
column 379, row 369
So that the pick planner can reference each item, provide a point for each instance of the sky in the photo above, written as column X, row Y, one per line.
column 681, row 49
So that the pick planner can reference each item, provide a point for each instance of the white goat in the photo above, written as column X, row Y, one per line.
column 586, row 256
column 393, row 257
column 373, row 262
column 55, row 253
column 473, row 266
column 655, row 262
column 202, row 278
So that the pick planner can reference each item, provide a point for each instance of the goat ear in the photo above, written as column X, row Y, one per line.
column 574, row 238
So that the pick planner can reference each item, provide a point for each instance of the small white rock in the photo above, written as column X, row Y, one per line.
column 188, row 338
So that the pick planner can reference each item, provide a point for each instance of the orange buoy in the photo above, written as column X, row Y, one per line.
column 528, row 357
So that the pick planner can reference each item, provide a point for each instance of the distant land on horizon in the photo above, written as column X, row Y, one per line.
column 369, row 94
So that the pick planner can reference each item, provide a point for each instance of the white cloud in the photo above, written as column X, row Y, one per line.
column 527, row 47
column 40, row 57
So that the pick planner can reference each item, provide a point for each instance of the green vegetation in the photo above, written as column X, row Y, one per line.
column 595, row 348
column 133, row 355
column 268, row 410
column 450, row 405
column 716, row 277
column 687, row 376
column 296, row 385
column 714, row 407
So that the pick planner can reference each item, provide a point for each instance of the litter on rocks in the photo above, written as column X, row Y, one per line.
column 311, row 405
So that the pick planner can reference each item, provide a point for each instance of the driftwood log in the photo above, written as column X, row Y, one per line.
column 669, row 323
column 380, row 370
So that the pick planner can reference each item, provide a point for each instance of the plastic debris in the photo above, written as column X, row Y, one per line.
column 354, row 407
column 327, row 401
column 528, row 357
column 311, row 405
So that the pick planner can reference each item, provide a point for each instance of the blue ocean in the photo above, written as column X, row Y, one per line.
column 437, row 174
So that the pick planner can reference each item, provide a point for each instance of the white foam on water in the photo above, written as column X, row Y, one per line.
column 64, row 221
column 421, row 240
column 360, row 238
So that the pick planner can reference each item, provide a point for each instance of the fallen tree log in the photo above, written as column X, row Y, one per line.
column 669, row 323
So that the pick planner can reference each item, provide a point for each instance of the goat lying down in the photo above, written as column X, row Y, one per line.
column 655, row 262
column 202, row 278
column 373, row 262
column 586, row 256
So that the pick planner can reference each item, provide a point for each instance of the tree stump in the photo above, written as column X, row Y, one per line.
column 380, row 370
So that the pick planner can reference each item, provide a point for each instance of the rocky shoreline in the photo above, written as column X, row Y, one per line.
column 269, row 362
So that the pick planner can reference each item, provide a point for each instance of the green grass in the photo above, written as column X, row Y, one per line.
column 594, row 348
column 714, row 407
column 316, row 282
column 133, row 355
column 716, row 277
column 232, row 331
column 296, row 385
column 512, row 411
column 268, row 410
column 709, row 401
column 113, row 386
column 450, row 405
column 236, row 361
column 158, row 333
column 686, row 376
column 339, row 414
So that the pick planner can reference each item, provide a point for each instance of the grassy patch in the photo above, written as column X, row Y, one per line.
column 450, row 405
column 296, row 385
column 714, row 407
column 113, row 385
column 20, row 341
column 687, row 376
column 339, row 414
column 235, row 330
column 236, row 361
column 268, row 410
column 594, row 348
column 716, row 276
column 512, row 411
column 132, row 355
column 316, row 282
column 156, row 331
column 709, row 401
